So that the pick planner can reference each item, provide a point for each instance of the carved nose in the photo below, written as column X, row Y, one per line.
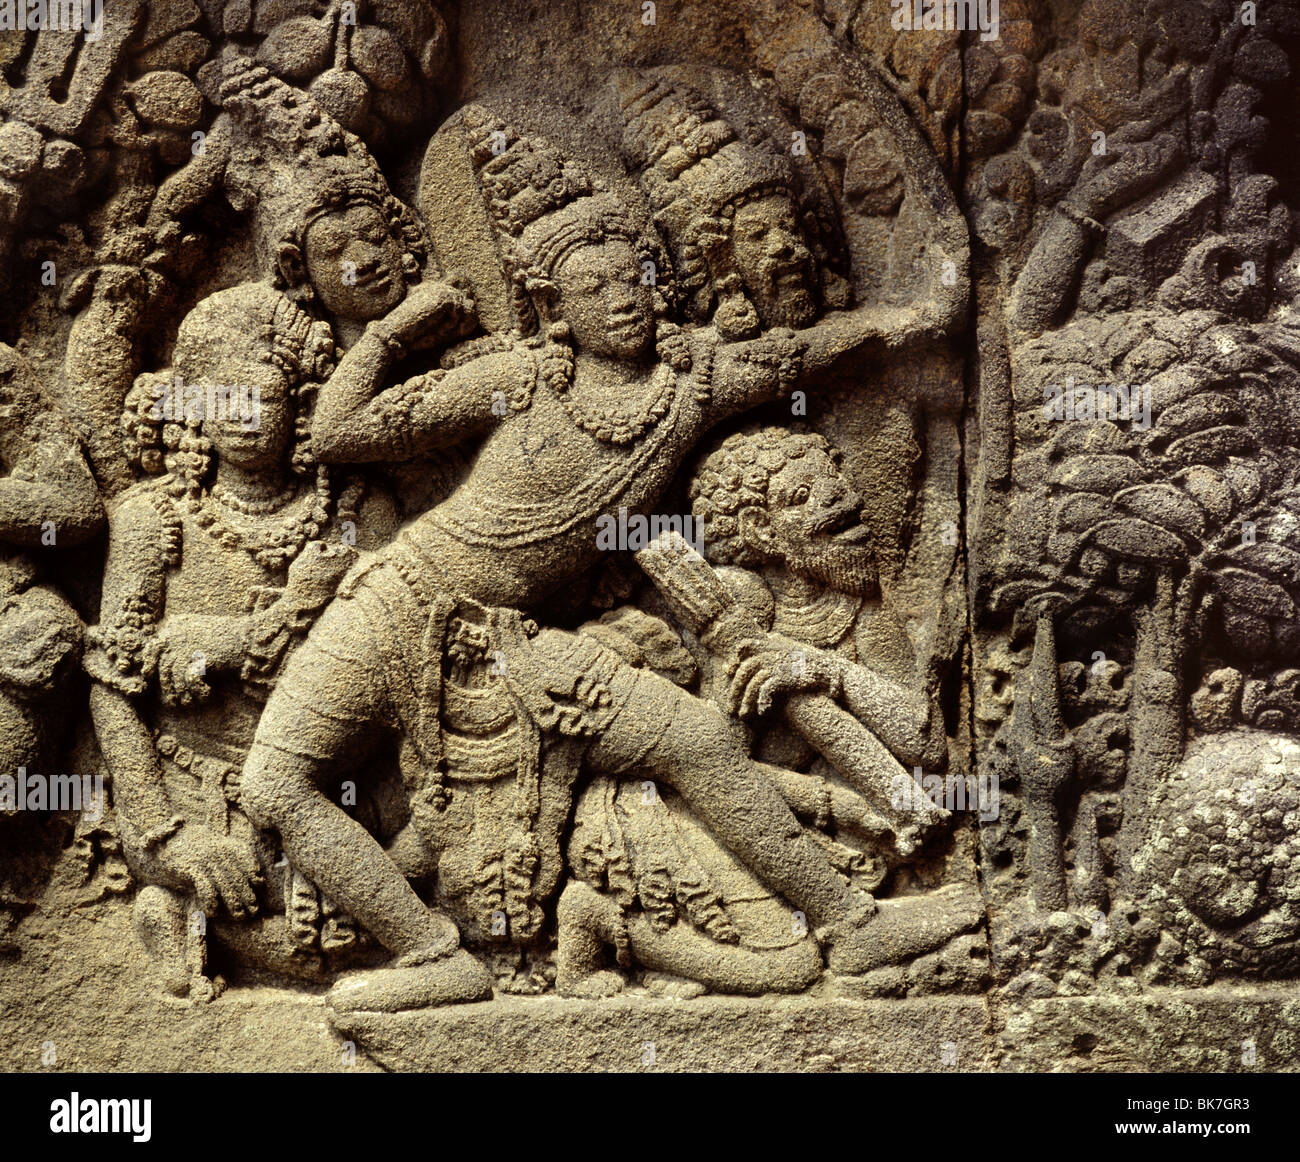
column 782, row 244
column 830, row 492
column 621, row 301
column 365, row 255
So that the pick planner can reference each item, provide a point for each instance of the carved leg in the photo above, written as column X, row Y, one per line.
column 303, row 742
column 910, row 926
column 700, row 755
column 684, row 951
column 319, row 724
column 587, row 925
column 338, row 854
column 162, row 922
column 449, row 980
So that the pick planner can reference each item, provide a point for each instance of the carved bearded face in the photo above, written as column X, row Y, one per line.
column 355, row 263
column 774, row 262
column 813, row 525
column 600, row 294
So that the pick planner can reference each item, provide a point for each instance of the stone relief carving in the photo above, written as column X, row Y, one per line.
column 808, row 513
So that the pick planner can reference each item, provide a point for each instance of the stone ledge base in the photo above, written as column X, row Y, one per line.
column 645, row 1034
column 83, row 983
column 1217, row 1030
column 1237, row 1030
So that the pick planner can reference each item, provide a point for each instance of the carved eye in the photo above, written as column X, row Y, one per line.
column 330, row 239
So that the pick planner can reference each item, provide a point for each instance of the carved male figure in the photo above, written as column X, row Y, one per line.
column 730, row 212
column 784, row 527
column 590, row 423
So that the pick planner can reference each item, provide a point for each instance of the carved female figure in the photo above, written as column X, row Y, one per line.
column 215, row 568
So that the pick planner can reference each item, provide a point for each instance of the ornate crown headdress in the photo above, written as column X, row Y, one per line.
column 293, row 163
column 486, row 190
column 696, row 174
column 675, row 137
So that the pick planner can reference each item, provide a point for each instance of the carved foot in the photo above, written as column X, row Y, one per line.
column 902, row 929
column 673, row 988
column 445, row 940
column 594, row 986
column 451, row 980
column 588, row 924
column 177, row 952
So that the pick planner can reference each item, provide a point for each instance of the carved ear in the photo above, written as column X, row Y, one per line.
column 290, row 265
column 543, row 296
column 755, row 527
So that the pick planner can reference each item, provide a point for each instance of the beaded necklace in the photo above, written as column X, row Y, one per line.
column 610, row 425
column 275, row 546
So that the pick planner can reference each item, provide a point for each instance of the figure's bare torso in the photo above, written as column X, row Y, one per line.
column 215, row 580
column 523, row 521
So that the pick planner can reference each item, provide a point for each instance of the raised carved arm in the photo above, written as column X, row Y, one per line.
column 1109, row 182
column 356, row 422
column 757, row 371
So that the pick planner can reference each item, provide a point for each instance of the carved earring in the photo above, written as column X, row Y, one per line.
column 292, row 271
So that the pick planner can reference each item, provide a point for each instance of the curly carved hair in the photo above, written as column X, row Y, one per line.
column 341, row 194
column 254, row 313
column 735, row 477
